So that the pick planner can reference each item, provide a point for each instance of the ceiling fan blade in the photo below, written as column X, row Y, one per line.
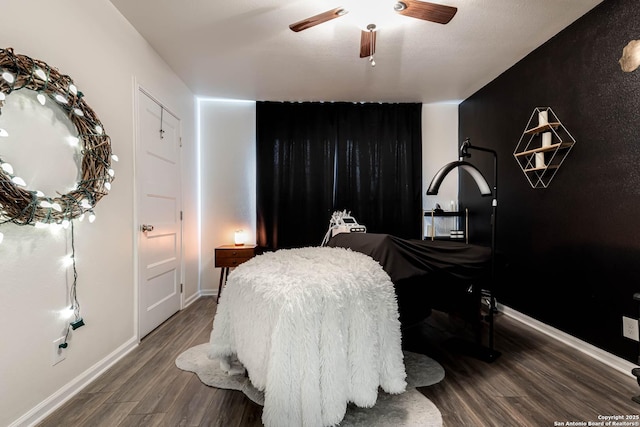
column 318, row 19
column 433, row 12
column 367, row 43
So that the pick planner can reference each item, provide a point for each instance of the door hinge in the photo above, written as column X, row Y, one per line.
column 181, row 288
column 180, row 141
column 180, row 215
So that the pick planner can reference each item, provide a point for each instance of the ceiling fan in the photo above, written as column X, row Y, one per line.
column 432, row 12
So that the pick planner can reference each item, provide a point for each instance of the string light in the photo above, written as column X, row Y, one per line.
column 41, row 74
column 7, row 168
column 8, row 77
column 41, row 98
column 23, row 206
column 28, row 207
column 19, row 181
column 55, row 206
column 74, row 310
column 67, row 313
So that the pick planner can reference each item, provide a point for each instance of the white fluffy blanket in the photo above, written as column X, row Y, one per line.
column 315, row 328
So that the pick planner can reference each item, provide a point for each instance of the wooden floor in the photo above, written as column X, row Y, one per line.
column 536, row 382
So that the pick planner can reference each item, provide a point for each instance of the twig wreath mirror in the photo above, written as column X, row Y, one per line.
column 19, row 203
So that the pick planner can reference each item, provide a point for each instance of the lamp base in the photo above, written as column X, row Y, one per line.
column 473, row 349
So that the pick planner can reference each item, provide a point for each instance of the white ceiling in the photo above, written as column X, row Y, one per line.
column 244, row 49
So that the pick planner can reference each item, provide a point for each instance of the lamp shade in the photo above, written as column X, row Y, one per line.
column 240, row 237
column 481, row 182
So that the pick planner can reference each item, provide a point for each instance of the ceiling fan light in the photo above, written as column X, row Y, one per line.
column 399, row 6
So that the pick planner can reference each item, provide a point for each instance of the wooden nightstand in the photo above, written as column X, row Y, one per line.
column 227, row 256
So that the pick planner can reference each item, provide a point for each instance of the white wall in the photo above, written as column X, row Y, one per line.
column 90, row 41
column 107, row 59
column 227, row 152
column 439, row 147
column 228, row 174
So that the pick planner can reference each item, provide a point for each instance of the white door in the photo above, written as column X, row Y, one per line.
column 159, row 212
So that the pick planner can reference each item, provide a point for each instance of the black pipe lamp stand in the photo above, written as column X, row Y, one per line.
column 487, row 354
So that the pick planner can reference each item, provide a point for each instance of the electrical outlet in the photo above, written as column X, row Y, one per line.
column 58, row 353
column 630, row 328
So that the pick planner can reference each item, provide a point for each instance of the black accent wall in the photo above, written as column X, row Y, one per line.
column 571, row 251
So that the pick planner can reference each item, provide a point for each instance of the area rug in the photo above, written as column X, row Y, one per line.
column 409, row 409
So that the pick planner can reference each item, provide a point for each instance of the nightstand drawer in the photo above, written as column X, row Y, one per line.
column 230, row 256
column 230, row 261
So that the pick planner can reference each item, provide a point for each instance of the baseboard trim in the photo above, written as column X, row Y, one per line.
column 57, row 399
column 193, row 298
column 608, row 359
column 60, row 397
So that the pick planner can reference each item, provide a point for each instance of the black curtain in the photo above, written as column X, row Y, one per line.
column 316, row 158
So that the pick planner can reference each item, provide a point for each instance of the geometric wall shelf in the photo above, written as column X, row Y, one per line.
column 543, row 146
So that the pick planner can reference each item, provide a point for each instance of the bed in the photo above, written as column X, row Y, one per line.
column 446, row 275
column 320, row 327
column 315, row 328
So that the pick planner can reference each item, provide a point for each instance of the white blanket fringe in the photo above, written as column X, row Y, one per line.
column 315, row 328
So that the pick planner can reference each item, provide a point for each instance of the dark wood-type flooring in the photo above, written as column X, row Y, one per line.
column 536, row 382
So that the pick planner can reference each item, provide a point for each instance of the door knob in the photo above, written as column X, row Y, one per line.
column 146, row 227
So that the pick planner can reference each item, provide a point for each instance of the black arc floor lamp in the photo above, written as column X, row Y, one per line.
column 488, row 354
